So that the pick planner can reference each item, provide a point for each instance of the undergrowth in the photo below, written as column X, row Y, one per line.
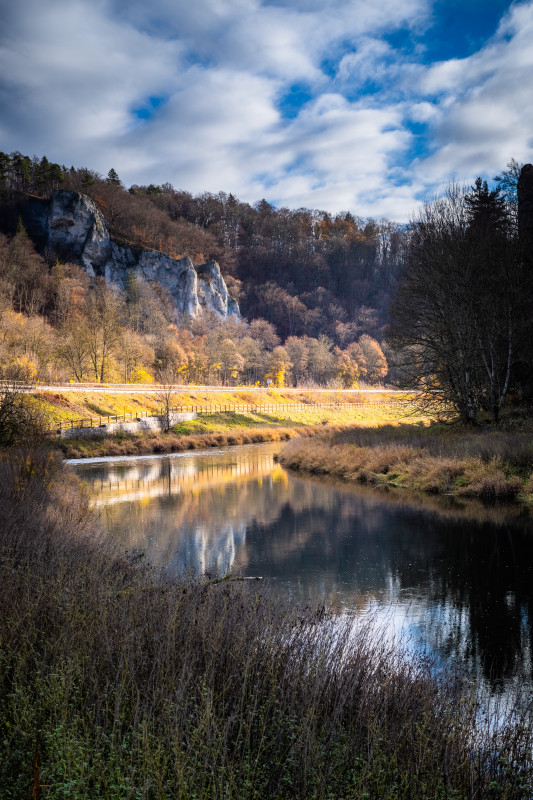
column 123, row 683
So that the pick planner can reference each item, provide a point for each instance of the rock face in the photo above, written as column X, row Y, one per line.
column 77, row 229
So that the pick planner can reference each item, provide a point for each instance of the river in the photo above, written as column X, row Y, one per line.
column 454, row 579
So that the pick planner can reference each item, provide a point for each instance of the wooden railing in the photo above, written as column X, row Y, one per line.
column 217, row 408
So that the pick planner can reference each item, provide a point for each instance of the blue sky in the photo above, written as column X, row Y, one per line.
column 361, row 105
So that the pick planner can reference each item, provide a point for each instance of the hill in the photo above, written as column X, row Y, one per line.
column 313, row 289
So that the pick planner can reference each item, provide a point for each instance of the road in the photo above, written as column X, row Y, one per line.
column 153, row 388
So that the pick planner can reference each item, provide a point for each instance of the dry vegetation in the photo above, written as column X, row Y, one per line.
column 489, row 463
column 128, row 685
column 124, row 445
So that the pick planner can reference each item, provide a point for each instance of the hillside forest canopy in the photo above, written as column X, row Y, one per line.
column 315, row 291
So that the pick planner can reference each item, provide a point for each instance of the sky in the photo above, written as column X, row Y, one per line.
column 367, row 106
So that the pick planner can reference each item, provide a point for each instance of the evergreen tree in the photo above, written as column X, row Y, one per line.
column 56, row 176
column 42, row 176
column 486, row 210
column 87, row 180
column 5, row 172
column 112, row 177
column 21, row 171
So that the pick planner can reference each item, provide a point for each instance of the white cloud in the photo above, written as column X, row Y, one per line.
column 72, row 74
column 485, row 114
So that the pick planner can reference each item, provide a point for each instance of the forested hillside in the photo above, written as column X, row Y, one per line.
column 307, row 271
column 314, row 289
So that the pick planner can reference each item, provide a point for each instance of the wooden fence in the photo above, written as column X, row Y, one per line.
column 218, row 408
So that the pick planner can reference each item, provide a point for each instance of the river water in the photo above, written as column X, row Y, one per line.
column 454, row 579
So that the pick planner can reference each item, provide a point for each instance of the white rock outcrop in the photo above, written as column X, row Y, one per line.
column 77, row 228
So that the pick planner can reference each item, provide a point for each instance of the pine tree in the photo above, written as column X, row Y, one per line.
column 5, row 172
column 42, row 175
column 87, row 180
column 486, row 209
column 112, row 177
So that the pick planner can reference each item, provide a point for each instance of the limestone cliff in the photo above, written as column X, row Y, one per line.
column 76, row 228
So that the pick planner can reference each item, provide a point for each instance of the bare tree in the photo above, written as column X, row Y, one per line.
column 167, row 377
column 104, row 327
column 457, row 308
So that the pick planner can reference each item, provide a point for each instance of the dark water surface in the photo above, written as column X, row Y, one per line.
column 456, row 579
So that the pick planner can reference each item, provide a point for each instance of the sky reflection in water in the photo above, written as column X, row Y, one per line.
column 457, row 580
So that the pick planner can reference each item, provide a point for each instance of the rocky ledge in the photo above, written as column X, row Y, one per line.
column 76, row 228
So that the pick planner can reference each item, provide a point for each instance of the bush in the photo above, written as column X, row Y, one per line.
column 21, row 421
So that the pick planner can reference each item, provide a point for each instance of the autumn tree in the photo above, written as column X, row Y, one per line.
column 133, row 356
column 104, row 328
column 347, row 369
column 23, row 273
column 298, row 352
column 231, row 361
column 375, row 362
column 74, row 350
column 254, row 355
column 278, row 365
column 321, row 360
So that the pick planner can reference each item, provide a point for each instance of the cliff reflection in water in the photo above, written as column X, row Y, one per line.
column 460, row 584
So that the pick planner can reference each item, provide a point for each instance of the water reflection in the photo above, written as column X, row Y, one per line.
column 458, row 580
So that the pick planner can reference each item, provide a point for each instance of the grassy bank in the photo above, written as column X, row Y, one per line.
column 64, row 407
column 221, row 429
column 488, row 463
column 124, row 684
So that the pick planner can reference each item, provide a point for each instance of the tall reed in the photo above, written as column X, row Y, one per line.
column 483, row 463
column 126, row 684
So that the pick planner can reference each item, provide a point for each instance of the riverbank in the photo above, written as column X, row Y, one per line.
column 495, row 462
column 118, row 682
column 222, row 429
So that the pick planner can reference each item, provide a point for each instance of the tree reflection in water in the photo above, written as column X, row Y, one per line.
column 456, row 578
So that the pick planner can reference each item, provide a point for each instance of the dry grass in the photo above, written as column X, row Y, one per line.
column 170, row 443
column 129, row 685
column 495, row 464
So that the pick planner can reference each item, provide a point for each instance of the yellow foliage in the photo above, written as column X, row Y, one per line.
column 276, row 376
column 24, row 368
column 140, row 375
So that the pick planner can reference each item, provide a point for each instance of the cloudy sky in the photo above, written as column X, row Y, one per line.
column 360, row 105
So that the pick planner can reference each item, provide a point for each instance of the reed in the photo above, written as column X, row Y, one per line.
column 118, row 682
column 490, row 464
column 124, row 444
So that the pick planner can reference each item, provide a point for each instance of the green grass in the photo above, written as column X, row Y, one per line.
column 227, row 427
